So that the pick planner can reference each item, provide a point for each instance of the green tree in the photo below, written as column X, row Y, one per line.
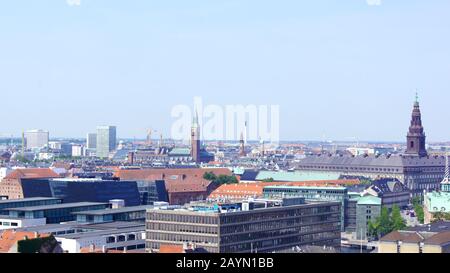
column 268, row 180
column 397, row 221
column 226, row 179
column 384, row 220
column 373, row 228
column 210, row 176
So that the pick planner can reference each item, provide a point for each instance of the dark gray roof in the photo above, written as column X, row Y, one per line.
column 388, row 185
column 440, row 226
column 394, row 161
column 114, row 211
column 56, row 206
column 31, row 199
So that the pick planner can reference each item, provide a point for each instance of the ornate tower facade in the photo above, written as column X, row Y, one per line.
column 415, row 139
column 195, row 139
column 242, row 146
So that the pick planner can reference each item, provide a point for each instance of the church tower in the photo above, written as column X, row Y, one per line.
column 416, row 135
column 242, row 146
column 195, row 139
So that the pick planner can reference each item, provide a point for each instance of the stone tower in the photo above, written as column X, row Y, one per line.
column 416, row 135
column 195, row 139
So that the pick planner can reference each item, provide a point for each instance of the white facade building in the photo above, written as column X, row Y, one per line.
column 36, row 139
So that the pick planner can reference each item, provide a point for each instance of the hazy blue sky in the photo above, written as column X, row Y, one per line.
column 343, row 69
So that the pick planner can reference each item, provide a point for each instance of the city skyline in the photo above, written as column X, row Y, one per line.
column 79, row 66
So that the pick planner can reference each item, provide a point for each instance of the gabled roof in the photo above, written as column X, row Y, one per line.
column 441, row 238
column 32, row 173
column 403, row 236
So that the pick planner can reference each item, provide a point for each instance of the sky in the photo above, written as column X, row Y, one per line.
column 341, row 70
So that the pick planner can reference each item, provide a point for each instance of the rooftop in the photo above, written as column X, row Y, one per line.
column 114, row 211
column 32, row 173
column 56, row 206
column 31, row 199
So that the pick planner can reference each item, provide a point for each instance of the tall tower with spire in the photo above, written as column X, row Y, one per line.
column 195, row 139
column 242, row 146
column 415, row 139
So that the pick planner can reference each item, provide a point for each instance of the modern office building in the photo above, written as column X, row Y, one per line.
column 126, row 214
column 328, row 194
column 54, row 213
column 106, row 141
column 251, row 226
column 91, row 141
column 82, row 190
column 36, row 139
column 27, row 202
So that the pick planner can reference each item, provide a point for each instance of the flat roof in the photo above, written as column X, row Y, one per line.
column 56, row 206
column 97, row 233
column 28, row 199
column 306, row 188
column 114, row 211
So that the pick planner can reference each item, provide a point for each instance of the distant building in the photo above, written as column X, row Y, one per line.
column 391, row 192
column 438, row 201
column 36, row 139
column 77, row 151
column 256, row 226
column 417, row 170
column 106, row 141
column 91, row 141
column 11, row 185
column 182, row 185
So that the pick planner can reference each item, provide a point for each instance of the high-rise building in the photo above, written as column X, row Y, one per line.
column 106, row 140
column 91, row 141
column 36, row 139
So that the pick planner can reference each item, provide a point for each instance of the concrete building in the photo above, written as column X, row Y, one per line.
column 91, row 141
column 106, row 141
column 56, row 213
column 36, row 139
column 77, row 151
column 246, row 227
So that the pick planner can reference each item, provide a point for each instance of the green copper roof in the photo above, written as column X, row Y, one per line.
column 436, row 201
column 180, row 151
column 369, row 200
column 238, row 171
column 297, row 176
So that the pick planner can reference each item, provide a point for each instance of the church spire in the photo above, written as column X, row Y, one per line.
column 416, row 135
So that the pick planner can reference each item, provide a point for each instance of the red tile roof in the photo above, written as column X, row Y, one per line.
column 243, row 190
column 8, row 238
column 32, row 173
column 171, row 249
column 176, row 180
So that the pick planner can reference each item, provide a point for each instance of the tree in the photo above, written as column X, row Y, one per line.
column 210, row 176
column 373, row 228
column 226, row 179
column 268, row 180
column 384, row 220
column 397, row 221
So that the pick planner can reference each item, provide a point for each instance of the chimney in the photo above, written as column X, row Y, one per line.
column 91, row 248
column 104, row 249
